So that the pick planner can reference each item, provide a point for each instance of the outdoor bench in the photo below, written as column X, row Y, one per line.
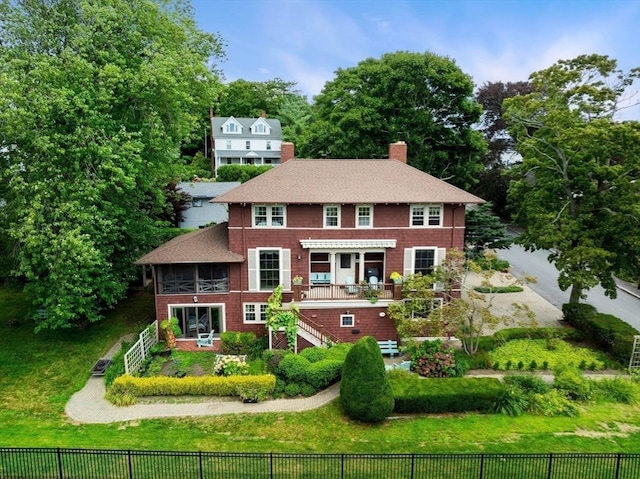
column 389, row 347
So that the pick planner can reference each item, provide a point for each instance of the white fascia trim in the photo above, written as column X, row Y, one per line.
column 347, row 243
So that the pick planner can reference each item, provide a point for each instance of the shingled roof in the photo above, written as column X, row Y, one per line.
column 346, row 181
column 206, row 245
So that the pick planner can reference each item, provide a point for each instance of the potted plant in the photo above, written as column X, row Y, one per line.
column 297, row 280
column 396, row 277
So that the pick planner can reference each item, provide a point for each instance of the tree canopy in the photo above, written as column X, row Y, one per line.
column 95, row 98
column 422, row 99
column 576, row 192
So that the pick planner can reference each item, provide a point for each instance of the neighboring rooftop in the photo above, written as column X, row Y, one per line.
column 346, row 181
column 206, row 189
column 206, row 245
column 218, row 132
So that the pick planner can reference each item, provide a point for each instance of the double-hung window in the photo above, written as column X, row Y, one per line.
column 424, row 261
column 331, row 216
column 269, row 268
column 228, row 144
column 268, row 144
column 269, row 215
column 364, row 216
column 255, row 312
column 426, row 215
column 247, row 145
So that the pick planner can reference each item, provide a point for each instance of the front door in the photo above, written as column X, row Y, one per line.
column 345, row 267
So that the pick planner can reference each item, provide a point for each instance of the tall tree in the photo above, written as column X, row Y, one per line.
column 96, row 98
column 577, row 193
column 493, row 181
column 420, row 98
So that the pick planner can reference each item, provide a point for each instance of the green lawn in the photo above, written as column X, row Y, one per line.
column 40, row 372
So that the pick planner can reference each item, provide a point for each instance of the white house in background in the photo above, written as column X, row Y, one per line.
column 248, row 141
column 200, row 212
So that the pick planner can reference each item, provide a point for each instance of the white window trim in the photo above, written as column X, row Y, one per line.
column 410, row 260
column 344, row 316
column 324, row 216
column 260, row 121
column 269, row 216
column 426, row 215
column 238, row 127
column 257, row 312
column 358, row 225
column 196, row 202
column 253, row 267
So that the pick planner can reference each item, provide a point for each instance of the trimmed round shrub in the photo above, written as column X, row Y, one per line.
column 293, row 368
column 323, row 373
column 314, row 354
column 307, row 390
column 292, row 389
column 365, row 390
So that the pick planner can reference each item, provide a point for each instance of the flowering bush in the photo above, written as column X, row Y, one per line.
column 230, row 365
column 434, row 359
column 395, row 276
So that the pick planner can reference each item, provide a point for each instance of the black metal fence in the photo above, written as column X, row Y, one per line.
column 55, row 463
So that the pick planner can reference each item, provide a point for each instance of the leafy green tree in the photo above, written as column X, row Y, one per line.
column 365, row 391
column 95, row 99
column 576, row 192
column 493, row 181
column 484, row 230
column 422, row 99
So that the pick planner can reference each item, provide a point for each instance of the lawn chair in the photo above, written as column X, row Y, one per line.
column 205, row 340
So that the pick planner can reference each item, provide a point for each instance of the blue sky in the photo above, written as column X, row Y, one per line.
column 306, row 41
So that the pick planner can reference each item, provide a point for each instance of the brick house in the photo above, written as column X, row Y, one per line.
column 342, row 226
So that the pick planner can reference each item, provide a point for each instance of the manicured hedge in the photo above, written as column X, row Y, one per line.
column 237, row 343
column 193, row 386
column 611, row 333
column 438, row 395
column 509, row 334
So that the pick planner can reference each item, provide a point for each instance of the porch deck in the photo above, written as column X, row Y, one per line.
column 343, row 292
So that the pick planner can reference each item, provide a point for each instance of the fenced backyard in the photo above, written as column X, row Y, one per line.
column 56, row 463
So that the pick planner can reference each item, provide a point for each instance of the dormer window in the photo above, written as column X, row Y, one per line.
column 260, row 127
column 232, row 126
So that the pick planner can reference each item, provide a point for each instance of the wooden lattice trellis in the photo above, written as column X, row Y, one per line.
column 634, row 361
column 278, row 340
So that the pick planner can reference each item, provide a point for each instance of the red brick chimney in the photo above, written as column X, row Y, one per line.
column 287, row 151
column 398, row 151
column 263, row 114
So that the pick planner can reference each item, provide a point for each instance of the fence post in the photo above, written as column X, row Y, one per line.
column 59, row 454
column 342, row 466
column 200, row 460
column 130, row 464
column 481, row 465
column 413, row 468
column 271, row 465
column 619, row 456
column 549, row 467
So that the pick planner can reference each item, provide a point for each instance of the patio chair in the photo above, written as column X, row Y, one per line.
column 350, row 286
column 373, row 283
column 205, row 339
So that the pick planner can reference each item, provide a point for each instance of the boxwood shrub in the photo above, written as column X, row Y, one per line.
column 238, row 343
column 431, row 395
column 510, row 334
column 610, row 333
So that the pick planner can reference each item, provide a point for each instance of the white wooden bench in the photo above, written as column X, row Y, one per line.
column 320, row 278
column 389, row 347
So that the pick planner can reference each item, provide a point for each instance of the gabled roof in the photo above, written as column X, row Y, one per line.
column 218, row 132
column 347, row 182
column 207, row 189
column 206, row 245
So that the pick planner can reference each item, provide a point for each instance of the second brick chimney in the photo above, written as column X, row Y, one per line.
column 287, row 151
column 398, row 151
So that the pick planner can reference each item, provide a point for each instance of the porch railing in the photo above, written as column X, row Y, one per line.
column 347, row 292
column 179, row 286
